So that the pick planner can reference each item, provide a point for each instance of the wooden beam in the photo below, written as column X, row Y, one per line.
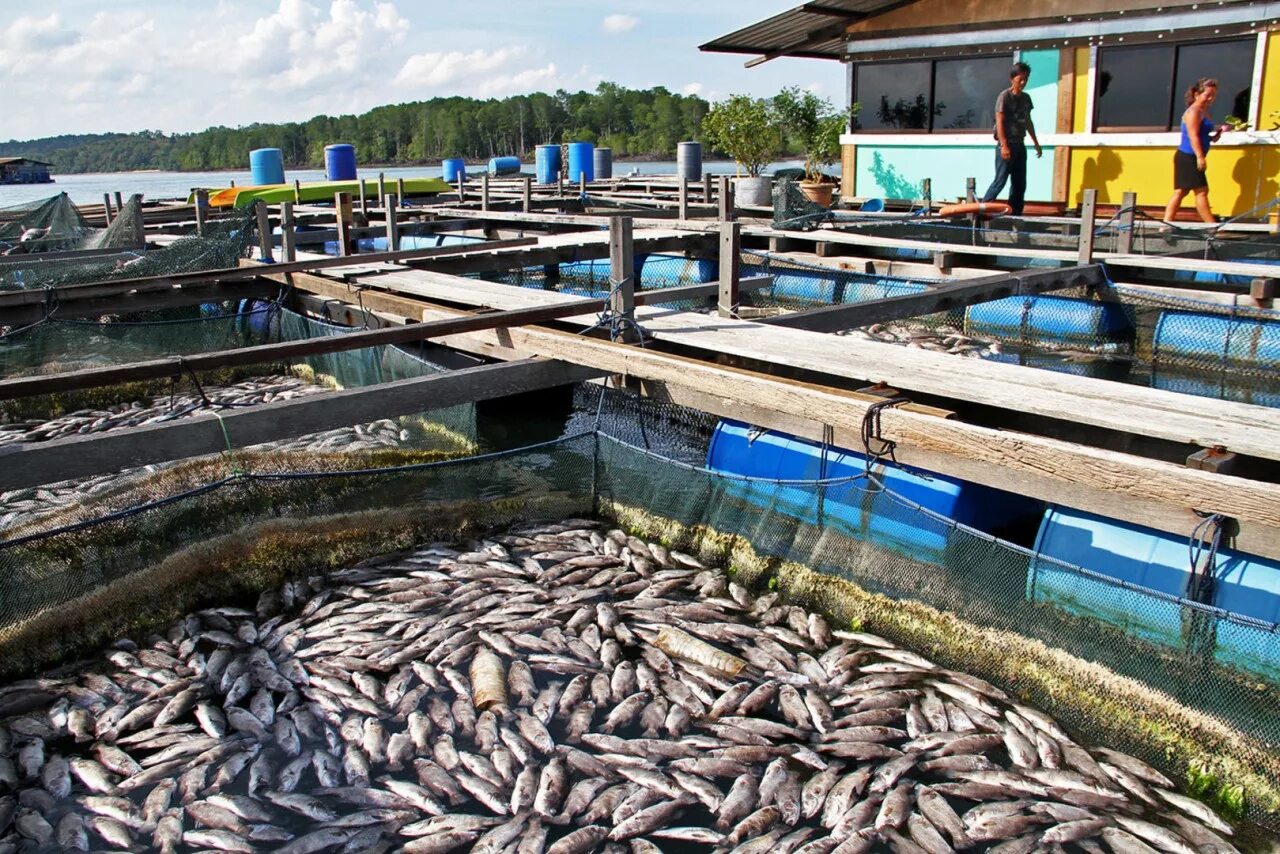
column 31, row 464
column 730, row 269
column 622, row 280
column 942, row 298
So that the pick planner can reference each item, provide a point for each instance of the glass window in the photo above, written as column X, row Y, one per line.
column 1144, row 86
column 1230, row 62
column 965, row 90
column 1135, row 86
column 893, row 96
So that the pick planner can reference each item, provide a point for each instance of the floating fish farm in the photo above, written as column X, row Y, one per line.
column 504, row 515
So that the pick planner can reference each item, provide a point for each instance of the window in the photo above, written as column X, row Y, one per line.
column 945, row 95
column 1143, row 87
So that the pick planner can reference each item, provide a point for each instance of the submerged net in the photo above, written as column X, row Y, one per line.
column 1073, row 640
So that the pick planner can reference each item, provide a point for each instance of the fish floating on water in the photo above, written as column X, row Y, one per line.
column 560, row 688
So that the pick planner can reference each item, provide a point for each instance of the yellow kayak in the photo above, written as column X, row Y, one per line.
column 316, row 191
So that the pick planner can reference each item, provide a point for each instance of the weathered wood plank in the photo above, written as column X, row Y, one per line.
column 84, row 456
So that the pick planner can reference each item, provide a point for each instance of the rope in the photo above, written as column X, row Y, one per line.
column 871, row 432
column 1207, row 535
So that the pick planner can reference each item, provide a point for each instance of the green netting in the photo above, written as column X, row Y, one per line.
column 222, row 244
column 859, row 552
column 46, row 225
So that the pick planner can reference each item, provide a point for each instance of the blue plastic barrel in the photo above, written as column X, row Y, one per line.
column 504, row 165
column 546, row 163
column 581, row 156
column 1206, row 338
column 602, row 163
column 452, row 169
column 266, row 165
column 340, row 162
column 1062, row 319
column 1111, row 551
column 738, row 448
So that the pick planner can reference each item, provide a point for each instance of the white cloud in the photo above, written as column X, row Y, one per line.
column 482, row 73
column 692, row 89
column 615, row 24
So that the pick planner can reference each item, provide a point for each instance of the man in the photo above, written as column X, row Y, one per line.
column 1013, row 123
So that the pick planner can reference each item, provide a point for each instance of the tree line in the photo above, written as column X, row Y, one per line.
column 633, row 122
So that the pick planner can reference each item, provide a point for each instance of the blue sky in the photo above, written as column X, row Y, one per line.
column 91, row 66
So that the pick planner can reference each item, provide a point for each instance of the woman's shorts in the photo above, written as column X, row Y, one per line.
column 1185, row 174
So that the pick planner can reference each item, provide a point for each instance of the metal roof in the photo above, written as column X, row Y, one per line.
column 5, row 161
column 814, row 30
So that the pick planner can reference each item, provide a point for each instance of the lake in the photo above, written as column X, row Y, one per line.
column 88, row 188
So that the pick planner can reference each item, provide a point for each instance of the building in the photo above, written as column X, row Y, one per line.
column 1107, row 81
column 24, row 170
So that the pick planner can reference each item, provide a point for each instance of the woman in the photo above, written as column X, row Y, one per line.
column 1189, row 160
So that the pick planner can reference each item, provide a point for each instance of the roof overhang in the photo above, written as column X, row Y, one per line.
column 815, row 30
column 852, row 30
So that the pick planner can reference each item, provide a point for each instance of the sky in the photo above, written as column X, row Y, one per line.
column 95, row 66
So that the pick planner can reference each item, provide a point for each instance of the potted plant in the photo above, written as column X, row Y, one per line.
column 816, row 125
column 746, row 129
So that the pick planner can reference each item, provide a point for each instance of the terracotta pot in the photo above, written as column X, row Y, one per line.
column 819, row 194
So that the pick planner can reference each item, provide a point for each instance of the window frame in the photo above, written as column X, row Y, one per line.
column 932, row 62
column 1171, row 126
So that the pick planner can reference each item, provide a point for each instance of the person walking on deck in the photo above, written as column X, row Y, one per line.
column 1198, row 132
column 1013, row 124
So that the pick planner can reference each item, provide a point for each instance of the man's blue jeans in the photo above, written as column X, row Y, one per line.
column 1014, row 171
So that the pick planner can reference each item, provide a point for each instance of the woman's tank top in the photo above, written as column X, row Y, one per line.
column 1206, row 128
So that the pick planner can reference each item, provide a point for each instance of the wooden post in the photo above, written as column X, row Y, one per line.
column 726, row 199
column 582, row 183
column 393, row 230
column 970, row 190
column 484, row 191
column 400, row 190
column 106, row 207
column 560, row 182
column 364, row 200
column 119, row 202
column 527, row 194
column 622, row 275
column 139, row 224
column 730, row 267
column 1128, row 215
column 462, row 188
column 342, row 211
column 1088, row 211
column 297, row 191
column 264, row 231
column 288, row 243
column 202, row 209
column 707, row 188
column 683, row 208
column 926, row 190
column 382, row 186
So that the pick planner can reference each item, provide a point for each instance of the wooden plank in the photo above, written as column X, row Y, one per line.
column 1146, row 492
column 1088, row 210
column 622, row 280
column 729, row 297
column 84, row 456
column 945, row 297
column 1135, row 410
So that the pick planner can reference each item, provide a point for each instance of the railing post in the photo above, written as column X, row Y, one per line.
column 288, row 239
column 393, row 228
column 707, row 188
column 926, row 190
column 400, row 190
column 264, row 231
column 484, row 191
column 382, row 186
column 527, row 195
column 364, row 200
column 622, row 275
column 683, row 208
column 344, row 216
column 730, row 267
column 297, row 191
column 1128, row 218
column 970, row 190
column 119, row 202
column 106, row 207
column 462, row 188
column 202, row 210
column 1088, row 212
column 139, row 223
column 726, row 199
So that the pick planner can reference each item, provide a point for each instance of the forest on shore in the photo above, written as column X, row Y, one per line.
column 633, row 122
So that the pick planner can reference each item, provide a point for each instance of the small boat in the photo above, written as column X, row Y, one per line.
column 316, row 191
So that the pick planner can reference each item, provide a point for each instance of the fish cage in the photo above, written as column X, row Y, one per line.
column 221, row 530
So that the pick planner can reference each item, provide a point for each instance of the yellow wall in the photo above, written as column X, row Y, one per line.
column 1081, row 110
column 1270, row 82
column 1240, row 178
